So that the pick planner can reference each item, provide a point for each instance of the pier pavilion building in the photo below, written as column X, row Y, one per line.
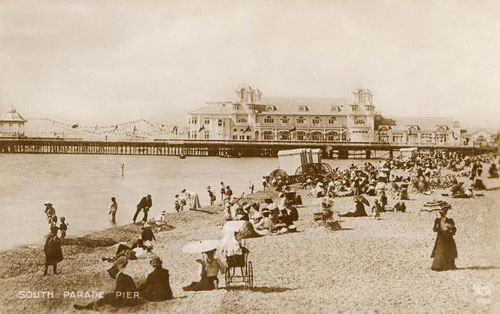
column 12, row 124
column 253, row 117
column 419, row 131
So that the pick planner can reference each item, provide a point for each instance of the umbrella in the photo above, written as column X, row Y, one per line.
column 362, row 199
column 200, row 246
column 435, row 206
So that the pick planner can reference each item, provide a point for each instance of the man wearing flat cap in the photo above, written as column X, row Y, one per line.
column 157, row 285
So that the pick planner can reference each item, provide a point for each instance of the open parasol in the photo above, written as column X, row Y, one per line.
column 200, row 246
column 435, row 206
column 362, row 199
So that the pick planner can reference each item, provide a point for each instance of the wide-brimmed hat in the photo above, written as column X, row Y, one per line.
column 47, row 203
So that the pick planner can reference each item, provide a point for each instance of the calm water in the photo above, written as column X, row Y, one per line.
column 80, row 187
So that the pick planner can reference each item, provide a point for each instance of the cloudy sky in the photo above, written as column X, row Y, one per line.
column 97, row 61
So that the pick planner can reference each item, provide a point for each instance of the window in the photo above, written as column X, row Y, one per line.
column 207, row 135
column 220, row 122
column 285, row 120
column 268, row 135
column 242, row 137
column 194, row 120
column 301, row 120
column 235, row 130
column 332, row 120
column 207, row 120
column 303, row 108
column 242, row 120
column 316, row 136
column 268, row 119
column 354, row 108
column 316, row 120
column 300, row 136
column 359, row 121
column 235, row 137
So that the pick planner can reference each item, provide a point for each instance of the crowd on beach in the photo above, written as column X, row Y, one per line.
column 391, row 180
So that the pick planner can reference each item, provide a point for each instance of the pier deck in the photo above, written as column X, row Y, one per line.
column 211, row 148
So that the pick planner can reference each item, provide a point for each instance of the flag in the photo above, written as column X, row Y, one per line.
column 293, row 129
column 202, row 128
column 248, row 129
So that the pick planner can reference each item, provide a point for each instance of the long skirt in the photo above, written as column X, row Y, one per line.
column 206, row 283
column 195, row 202
column 444, row 253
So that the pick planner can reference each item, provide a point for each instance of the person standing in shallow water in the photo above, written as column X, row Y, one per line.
column 445, row 249
column 113, row 207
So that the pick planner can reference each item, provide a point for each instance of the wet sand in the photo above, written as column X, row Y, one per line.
column 369, row 267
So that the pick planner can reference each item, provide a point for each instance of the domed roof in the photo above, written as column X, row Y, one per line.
column 12, row 116
column 244, row 87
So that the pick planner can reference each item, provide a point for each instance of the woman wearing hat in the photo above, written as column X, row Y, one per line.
column 53, row 251
column 445, row 249
column 210, row 267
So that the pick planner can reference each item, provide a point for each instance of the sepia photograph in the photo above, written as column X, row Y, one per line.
column 249, row 156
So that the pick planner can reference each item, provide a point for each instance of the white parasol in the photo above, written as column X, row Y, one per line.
column 200, row 246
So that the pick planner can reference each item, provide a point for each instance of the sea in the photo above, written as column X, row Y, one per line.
column 80, row 188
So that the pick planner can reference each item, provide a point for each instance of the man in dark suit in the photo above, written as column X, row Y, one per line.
column 125, row 293
column 145, row 204
column 157, row 285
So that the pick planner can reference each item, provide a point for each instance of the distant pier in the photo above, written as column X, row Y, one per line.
column 342, row 150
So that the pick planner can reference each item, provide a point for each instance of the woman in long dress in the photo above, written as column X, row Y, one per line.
column 445, row 249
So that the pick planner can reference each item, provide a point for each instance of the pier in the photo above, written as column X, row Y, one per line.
column 342, row 150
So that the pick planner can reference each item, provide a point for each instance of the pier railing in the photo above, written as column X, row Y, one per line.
column 224, row 148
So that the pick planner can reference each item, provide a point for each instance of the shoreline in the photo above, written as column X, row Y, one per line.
column 323, row 262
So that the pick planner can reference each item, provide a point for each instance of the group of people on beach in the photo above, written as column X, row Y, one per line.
column 391, row 179
column 53, row 243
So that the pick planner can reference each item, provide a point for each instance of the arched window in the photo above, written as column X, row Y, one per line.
column 316, row 120
column 332, row 120
column 285, row 120
column 268, row 119
column 268, row 135
column 300, row 120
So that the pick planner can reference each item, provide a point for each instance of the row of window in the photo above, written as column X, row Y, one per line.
column 302, row 120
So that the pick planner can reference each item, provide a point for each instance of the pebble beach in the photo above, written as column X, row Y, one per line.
column 371, row 266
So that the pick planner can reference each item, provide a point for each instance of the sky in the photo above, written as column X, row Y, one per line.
column 113, row 61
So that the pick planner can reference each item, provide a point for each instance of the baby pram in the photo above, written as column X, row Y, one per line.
column 237, row 259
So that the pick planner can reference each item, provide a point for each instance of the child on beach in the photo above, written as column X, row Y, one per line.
column 222, row 191
column 63, row 227
column 177, row 203
column 211, row 195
